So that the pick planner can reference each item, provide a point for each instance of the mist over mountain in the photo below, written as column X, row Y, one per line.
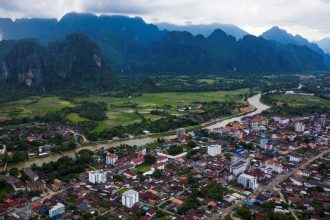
column 324, row 44
column 79, row 48
column 205, row 29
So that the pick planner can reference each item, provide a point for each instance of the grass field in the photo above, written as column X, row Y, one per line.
column 32, row 106
column 300, row 100
column 119, row 111
column 142, row 168
column 74, row 117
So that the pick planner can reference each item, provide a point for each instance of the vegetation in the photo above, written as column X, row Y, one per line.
column 214, row 191
column 245, row 213
column 175, row 150
column 64, row 169
column 296, row 104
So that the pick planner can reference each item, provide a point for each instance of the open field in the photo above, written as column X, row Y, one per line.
column 31, row 107
column 300, row 100
column 121, row 111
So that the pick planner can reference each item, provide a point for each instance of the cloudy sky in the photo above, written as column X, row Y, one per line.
column 310, row 18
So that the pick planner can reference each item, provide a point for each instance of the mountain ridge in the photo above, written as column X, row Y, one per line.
column 205, row 29
column 76, row 59
column 131, row 46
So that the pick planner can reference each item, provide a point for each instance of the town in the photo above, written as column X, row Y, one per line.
column 262, row 167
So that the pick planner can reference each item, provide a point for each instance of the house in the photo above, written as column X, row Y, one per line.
column 159, row 166
column 111, row 158
column 18, row 185
column 176, row 201
column 130, row 174
column 162, row 159
column 137, row 161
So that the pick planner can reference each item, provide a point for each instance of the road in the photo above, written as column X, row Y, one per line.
column 290, row 209
column 271, row 185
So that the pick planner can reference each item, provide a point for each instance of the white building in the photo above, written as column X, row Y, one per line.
column 295, row 158
column 299, row 127
column 129, row 198
column 213, row 150
column 282, row 120
column 180, row 132
column 97, row 176
column 248, row 181
column 274, row 166
column 239, row 164
column 111, row 158
column 57, row 209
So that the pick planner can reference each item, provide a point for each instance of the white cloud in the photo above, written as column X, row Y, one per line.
column 310, row 18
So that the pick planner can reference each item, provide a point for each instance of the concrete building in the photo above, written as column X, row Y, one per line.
column 180, row 132
column 111, row 159
column 213, row 150
column 295, row 158
column 129, row 198
column 97, row 176
column 239, row 164
column 263, row 142
column 56, row 210
column 259, row 120
column 299, row 127
column 31, row 174
column 248, row 181
column 274, row 166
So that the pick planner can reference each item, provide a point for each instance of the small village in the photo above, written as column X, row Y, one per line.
column 263, row 166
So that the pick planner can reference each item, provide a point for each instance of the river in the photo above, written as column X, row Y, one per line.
column 254, row 101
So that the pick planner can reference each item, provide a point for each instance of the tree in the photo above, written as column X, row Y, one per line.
column 149, row 159
column 245, row 213
column 85, row 156
column 228, row 217
column 228, row 155
column 157, row 174
column 191, row 144
column 13, row 172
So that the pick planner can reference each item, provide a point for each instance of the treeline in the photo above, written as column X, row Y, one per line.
column 209, row 111
column 287, row 110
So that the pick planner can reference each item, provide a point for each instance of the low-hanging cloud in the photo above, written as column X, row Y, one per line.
column 310, row 18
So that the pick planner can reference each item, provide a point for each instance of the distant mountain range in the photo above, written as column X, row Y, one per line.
column 283, row 37
column 129, row 46
column 324, row 44
column 205, row 29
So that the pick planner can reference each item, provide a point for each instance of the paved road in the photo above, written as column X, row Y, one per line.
column 290, row 209
column 271, row 185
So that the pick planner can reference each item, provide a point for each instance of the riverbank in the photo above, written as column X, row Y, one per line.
column 142, row 140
